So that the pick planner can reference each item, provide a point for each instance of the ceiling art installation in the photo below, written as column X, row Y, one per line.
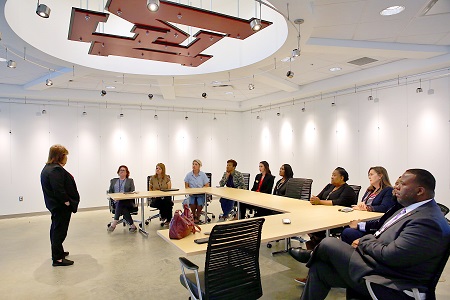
column 155, row 35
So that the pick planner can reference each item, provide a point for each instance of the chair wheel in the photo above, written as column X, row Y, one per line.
column 213, row 216
column 124, row 224
column 162, row 224
column 146, row 222
column 140, row 225
column 269, row 246
column 109, row 225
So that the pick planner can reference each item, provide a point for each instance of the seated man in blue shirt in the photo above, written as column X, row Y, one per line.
column 234, row 179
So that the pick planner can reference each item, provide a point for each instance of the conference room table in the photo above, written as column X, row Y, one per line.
column 305, row 217
column 141, row 196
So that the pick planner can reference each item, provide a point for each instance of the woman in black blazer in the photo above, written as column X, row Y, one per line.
column 123, row 184
column 286, row 173
column 61, row 199
column 263, row 183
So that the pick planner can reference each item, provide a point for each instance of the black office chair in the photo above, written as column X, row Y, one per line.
column 231, row 264
column 297, row 188
column 356, row 189
column 112, row 209
column 233, row 213
column 429, row 289
column 246, row 180
column 443, row 208
column 153, row 208
column 208, row 201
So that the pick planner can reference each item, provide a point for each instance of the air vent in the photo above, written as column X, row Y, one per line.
column 362, row 61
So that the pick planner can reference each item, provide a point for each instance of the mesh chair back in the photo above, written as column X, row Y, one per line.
column 294, row 187
column 432, row 286
column 356, row 189
column 246, row 180
column 209, row 175
column 306, row 190
column 232, row 261
column 443, row 208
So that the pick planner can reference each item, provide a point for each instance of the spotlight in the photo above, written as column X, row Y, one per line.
column 44, row 111
column 258, row 118
column 255, row 24
column 278, row 114
column 333, row 103
column 251, row 86
column 155, row 117
column 303, row 109
column 289, row 74
column 370, row 98
column 121, row 115
column 186, row 118
column 48, row 82
column 103, row 93
column 84, row 113
column 11, row 64
column 419, row 90
column 295, row 53
column 43, row 11
column 204, row 95
column 150, row 96
column 215, row 119
column 153, row 5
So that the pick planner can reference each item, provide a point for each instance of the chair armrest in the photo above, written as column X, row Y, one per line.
column 188, row 264
column 414, row 292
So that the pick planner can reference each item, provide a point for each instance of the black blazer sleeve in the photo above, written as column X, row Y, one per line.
column 344, row 196
column 256, row 182
column 383, row 201
column 267, row 184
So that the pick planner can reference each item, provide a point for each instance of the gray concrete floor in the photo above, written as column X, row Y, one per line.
column 121, row 265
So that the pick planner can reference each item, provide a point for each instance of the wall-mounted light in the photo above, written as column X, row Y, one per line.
column 121, row 115
column 251, row 86
column 43, row 10
column 370, row 98
column 304, row 107
column 419, row 89
column 204, row 95
column 150, row 96
column 48, row 82
column 103, row 93
column 290, row 74
column 153, row 5
column 84, row 113
column 44, row 112
column 215, row 119
column 155, row 117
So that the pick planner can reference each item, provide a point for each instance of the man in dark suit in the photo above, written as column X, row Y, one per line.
column 61, row 199
column 409, row 246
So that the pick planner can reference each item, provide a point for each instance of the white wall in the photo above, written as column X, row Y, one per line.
column 403, row 130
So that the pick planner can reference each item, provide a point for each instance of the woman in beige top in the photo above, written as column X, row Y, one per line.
column 161, row 181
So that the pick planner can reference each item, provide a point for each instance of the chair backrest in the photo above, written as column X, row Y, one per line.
column 432, row 286
column 443, row 208
column 294, row 187
column 232, row 261
column 246, row 180
column 209, row 175
column 306, row 190
column 356, row 189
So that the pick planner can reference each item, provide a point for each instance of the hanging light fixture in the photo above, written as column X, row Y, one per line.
column 153, row 5
column 48, row 82
column 251, row 86
column 43, row 10
column 419, row 89
column 256, row 24
column 11, row 64
column 296, row 52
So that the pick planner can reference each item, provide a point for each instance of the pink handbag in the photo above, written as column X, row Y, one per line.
column 182, row 224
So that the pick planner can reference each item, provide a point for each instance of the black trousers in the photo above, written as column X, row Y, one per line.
column 58, row 230
column 330, row 268
column 164, row 204
column 124, row 208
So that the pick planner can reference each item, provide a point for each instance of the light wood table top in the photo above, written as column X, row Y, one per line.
column 305, row 218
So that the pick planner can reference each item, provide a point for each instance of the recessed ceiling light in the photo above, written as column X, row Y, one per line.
column 393, row 10
column 334, row 69
column 215, row 82
column 110, row 87
column 228, row 93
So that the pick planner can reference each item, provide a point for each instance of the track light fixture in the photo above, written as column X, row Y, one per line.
column 289, row 74
column 155, row 117
column 84, row 113
column 44, row 112
column 204, row 95
column 48, row 82
column 251, row 86
column 103, row 93
column 370, row 98
column 303, row 109
column 419, row 89
column 11, row 64
column 278, row 114
column 150, row 96
column 296, row 52
column 258, row 117
column 214, row 119
column 153, row 5
column 186, row 118
column 43, row 10
column 256, row 24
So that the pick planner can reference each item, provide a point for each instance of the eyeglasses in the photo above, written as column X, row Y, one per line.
column 122, row 170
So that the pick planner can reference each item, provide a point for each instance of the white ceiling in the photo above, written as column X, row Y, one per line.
column 334, row 33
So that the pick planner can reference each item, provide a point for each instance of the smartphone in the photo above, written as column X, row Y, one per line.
column 286, row 221
column 346, row 209
column 201, row 241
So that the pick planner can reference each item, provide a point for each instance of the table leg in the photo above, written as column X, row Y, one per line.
column 141, row 227
column 206, row 209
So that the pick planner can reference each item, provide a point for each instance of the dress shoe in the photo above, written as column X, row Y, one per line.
column 300, row 280
column 63, row 263
column 300, row 255
column 66, row 253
